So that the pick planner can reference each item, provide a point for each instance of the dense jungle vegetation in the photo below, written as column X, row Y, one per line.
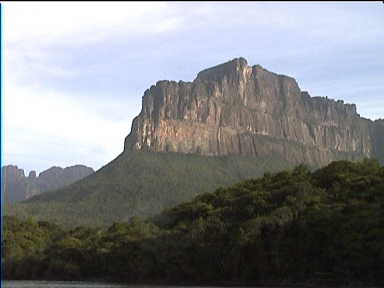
column 298, row 226
column 141, row 184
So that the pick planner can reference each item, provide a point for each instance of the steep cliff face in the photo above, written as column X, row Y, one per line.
column 56, row 177
column 17, row 187
column 379, row 139
column 232, row 111
column 237, row 109
column 14, row 184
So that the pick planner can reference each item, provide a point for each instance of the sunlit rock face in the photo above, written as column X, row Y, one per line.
column 234, row 108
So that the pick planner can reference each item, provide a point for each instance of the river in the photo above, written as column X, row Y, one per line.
column 76, row 284
column 58, row 284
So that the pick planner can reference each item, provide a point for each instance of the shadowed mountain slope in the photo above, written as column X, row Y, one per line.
column 232, row 122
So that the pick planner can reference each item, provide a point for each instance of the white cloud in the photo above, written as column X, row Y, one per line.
column 45, row 127
column 52, row 22
column 50, row 123
column 40, row 122
column 31, row 29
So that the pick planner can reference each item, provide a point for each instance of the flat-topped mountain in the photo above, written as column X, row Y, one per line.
column 18, row 187
column 237, row 109
column 232, row 122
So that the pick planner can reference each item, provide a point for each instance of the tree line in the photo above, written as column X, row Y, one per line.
column 295, row 226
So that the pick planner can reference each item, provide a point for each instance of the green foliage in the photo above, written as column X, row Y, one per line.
column 325, row 226
column 141, row 184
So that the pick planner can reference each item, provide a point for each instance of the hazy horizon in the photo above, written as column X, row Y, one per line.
column 75, row 73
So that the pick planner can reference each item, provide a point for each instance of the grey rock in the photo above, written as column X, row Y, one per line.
column 17, row 187
column 14, row 183
column 237, row 109
column 32, row 174
column 379, row 139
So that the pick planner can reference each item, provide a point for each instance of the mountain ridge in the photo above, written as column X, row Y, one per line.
column 226, row 108
column 19, row 187
column 231, row 123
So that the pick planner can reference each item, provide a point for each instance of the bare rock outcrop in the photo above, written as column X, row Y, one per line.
column 379, row 139
column 17, row 187
column 14, row 183
column 234, row 108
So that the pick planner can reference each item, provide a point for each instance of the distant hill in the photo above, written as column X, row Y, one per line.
column 234, row 121
column 295, row 228
column 142, row 184
column 18, row 187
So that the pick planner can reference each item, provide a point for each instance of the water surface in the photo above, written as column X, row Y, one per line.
column 80, row 284
column 58, row 284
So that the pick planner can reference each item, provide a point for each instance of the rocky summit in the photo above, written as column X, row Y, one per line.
column 18, row 187
column 233, row 122
column 237, row 109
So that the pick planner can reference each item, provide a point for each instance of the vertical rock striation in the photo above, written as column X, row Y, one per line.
column 236, row 109
column 17, row 187
column 14, row 184
column 379, row 139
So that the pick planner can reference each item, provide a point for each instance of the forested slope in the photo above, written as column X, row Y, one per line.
column 295, row 226
column 141, row 184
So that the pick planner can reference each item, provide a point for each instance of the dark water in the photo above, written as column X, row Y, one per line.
column 73, row 284
column 57, row 284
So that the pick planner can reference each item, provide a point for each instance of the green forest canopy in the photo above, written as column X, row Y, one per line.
column 292, row 226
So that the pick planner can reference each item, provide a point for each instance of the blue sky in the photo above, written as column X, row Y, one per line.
column 75, row 72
